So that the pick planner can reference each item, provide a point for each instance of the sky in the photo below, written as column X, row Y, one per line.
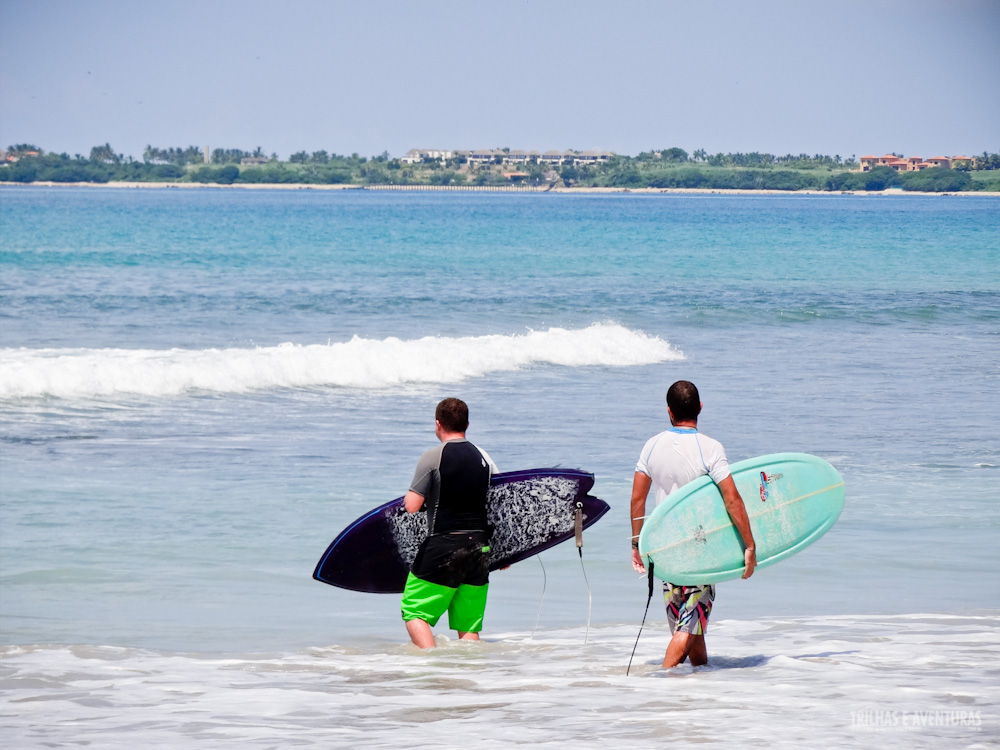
column 840, row 77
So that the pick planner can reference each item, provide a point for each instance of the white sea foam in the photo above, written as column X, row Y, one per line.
column 847, row 682
column 358, row 363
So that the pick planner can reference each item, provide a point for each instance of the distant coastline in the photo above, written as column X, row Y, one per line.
column 511, row 170
column 562, row 190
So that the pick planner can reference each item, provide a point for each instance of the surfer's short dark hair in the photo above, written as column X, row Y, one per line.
column 453, row 414
column 684, row 401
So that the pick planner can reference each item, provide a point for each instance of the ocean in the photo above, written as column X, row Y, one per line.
column 200, row 388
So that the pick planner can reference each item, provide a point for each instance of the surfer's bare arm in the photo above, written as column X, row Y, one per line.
column 413, row 501
column 640, row 489
column 738, row 512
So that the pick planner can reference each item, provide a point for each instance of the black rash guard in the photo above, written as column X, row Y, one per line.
column 454, row 479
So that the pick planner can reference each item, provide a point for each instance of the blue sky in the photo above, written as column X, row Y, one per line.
column 917, row 77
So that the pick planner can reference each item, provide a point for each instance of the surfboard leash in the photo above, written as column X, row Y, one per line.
column 644, row 614
column 578, row 532
column 542, row 600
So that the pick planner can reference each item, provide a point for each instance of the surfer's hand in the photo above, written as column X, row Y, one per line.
column 637, row 562
column 750, row 561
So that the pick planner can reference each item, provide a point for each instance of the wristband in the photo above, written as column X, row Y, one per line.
column 635, row 544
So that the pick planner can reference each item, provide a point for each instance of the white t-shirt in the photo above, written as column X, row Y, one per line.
column 680, row 455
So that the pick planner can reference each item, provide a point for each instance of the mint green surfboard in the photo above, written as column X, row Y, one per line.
column 792, row 499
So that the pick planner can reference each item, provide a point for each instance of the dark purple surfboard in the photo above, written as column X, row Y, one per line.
column 530, row 511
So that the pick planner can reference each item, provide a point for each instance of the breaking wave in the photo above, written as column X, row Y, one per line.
column 358, row 363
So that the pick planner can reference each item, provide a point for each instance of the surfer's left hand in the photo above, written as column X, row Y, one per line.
column 749, row 561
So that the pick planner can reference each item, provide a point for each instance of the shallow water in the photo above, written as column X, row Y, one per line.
column 894, row 682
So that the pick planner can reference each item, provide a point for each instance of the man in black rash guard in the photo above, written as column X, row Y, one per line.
column 451, row 570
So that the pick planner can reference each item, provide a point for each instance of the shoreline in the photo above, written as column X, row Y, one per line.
column 485, row 188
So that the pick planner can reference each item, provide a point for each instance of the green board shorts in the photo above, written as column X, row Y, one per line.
column 450, row 574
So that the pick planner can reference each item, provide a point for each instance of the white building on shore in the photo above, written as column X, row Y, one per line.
column 508, row 156
column 417, row 155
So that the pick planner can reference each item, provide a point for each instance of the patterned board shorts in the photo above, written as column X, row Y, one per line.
column 688, row 607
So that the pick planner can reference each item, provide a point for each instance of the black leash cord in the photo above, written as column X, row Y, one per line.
column 644, row 614
column 578, row 532
column 541, row 601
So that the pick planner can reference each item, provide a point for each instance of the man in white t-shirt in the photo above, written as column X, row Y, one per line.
column 668, row 461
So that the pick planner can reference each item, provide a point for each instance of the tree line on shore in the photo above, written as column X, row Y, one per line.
column 666, row 168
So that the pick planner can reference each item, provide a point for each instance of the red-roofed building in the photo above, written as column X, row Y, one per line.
column 913, row 163
column 13, row 156
column 867, row 162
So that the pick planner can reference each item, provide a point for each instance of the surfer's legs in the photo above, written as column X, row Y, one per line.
column 420, row 633
column 683, row 646
column 698, row 653
column 466, row 611
column 688, row 609
column 423, row 604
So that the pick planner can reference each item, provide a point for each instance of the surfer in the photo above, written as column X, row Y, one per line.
column 669, row 461
column 451, row 570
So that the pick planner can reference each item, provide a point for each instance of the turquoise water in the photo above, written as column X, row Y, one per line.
column 200, row 389
column 204, row 268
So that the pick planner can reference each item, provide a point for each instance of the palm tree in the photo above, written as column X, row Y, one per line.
column 104, row 154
